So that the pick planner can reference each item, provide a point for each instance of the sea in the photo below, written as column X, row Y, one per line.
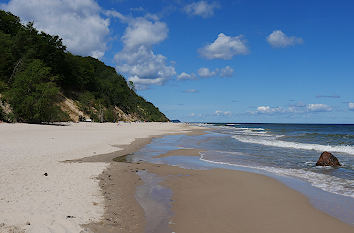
column 290, row 149
column 287, row 152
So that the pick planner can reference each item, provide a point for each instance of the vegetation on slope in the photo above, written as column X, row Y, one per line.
column 36, row 72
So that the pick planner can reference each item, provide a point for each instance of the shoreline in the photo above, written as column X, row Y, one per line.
column 215, row 200
column 263, row 200
column 118, row 185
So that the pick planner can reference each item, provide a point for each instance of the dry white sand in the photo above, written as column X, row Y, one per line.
column 32, row 202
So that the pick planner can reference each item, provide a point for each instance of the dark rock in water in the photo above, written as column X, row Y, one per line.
column 327, row 159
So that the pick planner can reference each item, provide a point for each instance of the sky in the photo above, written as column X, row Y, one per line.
column 271, row 61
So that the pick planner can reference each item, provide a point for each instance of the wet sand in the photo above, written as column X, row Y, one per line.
column 208, row 201
column 118, row 184
column 180, row 152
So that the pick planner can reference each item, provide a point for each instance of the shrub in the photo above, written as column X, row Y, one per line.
column 34, row 94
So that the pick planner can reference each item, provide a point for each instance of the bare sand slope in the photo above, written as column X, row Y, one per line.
column 69, row 195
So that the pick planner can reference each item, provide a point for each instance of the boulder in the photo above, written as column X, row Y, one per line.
column 327, row 159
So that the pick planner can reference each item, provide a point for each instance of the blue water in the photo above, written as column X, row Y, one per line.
column 290, row 149
column 287, row 152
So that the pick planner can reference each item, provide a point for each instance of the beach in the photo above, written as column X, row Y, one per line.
column 40, row 192
column 106, row 178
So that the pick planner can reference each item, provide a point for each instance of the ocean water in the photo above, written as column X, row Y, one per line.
column 287, row 152
column 289, row 149
column 282, row 149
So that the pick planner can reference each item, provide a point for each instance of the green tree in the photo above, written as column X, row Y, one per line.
column 34, row 95
column 110, row 115
column 132, row 86
column 34, row 65
column 9, row 23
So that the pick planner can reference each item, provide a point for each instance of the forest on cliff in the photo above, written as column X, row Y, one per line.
column 39, row 77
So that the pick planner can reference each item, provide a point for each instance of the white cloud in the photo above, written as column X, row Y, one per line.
column 206, row 73
column 142, row 31
column 278, row 39
column 137, row 59
column 191, row 91
column 186, row 76
column 201, row 8
column 115, row 14
column 199, row 115
column 224, row 47
column 222, row 113
column 141, row 81
column 268, row 109
column 319, row 108
column 298, row 108
column 78, row 22
column 140, row 8
column 351, row 106
column 144, row 66
column 227, row 71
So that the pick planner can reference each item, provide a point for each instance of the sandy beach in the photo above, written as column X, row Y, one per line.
column 68, row 195
column 87, row 189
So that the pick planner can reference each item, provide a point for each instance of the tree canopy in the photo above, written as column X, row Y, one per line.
column 35, row 69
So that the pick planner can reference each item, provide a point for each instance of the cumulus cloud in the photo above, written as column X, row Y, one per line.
column 141, row 82
column 224, row 47
column 115, row 14
column 206, row 72
column 195, row 115
column 186, row 76
column 278, row 39
column 297, row 108
column 144, row 66
column 201, row 8
column 319, row 108
column 351, row 106
column 78, row 22
column 142, row 31
column 137, row 58
column 227, row 71
column 222, row 113
column 268, row 109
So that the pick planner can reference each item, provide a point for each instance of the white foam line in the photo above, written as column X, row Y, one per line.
column 283, row 144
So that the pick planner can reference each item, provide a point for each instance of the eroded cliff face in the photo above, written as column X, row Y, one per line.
column 72, row 108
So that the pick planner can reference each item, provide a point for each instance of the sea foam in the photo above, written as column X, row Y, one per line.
column 304, row 146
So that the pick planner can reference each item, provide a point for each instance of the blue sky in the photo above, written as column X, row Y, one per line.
column 217, row 61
